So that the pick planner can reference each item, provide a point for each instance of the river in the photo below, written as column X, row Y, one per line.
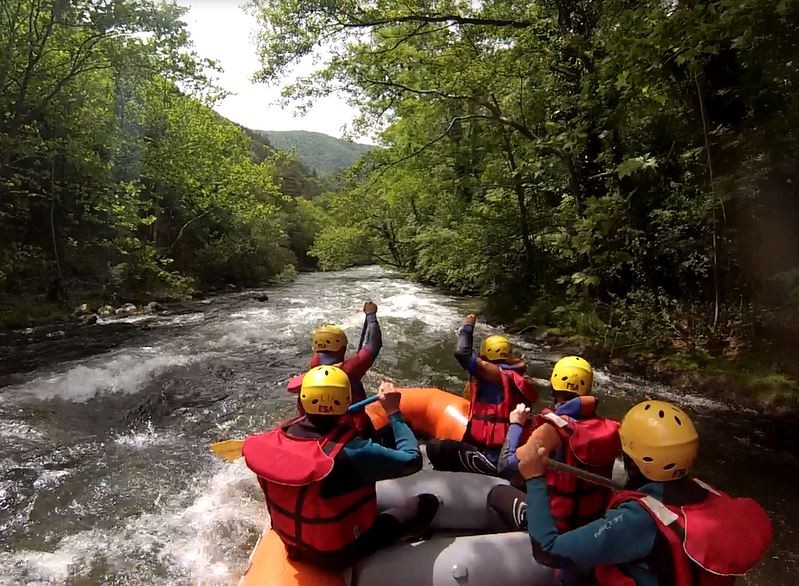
column 105, row 472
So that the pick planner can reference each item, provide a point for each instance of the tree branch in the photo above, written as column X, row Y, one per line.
column 423, row 147
column 183, row 229
column 433, row 18
column 417, row 32
column 421, row 92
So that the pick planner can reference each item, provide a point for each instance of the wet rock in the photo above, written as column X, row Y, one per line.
column 105, row 311
column 261, row 297
column 619, row 363
column 154, row 307
column 539, row 369
column 206, row 302
column 127, row 309
column 56, row 334
column 575, row 347
column 88, row 320
column 162, row 297
column 80, row 310
column 231, row 287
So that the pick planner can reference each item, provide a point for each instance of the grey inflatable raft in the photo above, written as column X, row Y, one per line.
column 461, row 551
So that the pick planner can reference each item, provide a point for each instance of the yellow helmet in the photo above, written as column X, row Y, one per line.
column 572, row 374
column 496, row 348
column 660, row 438
column 328, row 338
column 325, row 391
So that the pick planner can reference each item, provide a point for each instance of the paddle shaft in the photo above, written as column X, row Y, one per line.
column 583, row 474
column 361, row 404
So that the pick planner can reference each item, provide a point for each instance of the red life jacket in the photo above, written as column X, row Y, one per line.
column 710, row 542
column 488, row 423
column 291, row 471
column 589, row 444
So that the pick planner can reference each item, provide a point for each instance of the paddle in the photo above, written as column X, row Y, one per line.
column 231, row 449
column 584, row 475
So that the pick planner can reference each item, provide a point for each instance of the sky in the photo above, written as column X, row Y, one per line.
column 221, row 30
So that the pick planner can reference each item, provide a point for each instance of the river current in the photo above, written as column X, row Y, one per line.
column 105, row 472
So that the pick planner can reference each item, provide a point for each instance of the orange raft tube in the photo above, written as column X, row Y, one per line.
column 431, row 413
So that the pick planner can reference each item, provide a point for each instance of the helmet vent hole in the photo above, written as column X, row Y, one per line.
column 564, row 378
column 647, row 407
column 661, row 414
column 677, row 419
column 669, row 466
column 582, row 382
column 647, row 459
column 336, row 402
column 314, row 402
column 326, row 373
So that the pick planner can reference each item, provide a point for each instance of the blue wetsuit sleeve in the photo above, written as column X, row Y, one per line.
column 463, row 348
column 624, row 534
column 571, row 408
column 373, row 340
column 508, row 462
column 373, row 462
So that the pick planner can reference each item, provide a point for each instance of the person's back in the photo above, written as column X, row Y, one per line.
column 329, row 343
column 318, row 475
column 668, row 530
column 573, row 433
column 496, row 384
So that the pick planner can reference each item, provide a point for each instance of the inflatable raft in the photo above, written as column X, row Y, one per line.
column 460, row 550
column 431, row 413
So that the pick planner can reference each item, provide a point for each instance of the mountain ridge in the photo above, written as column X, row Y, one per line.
column 324, row 154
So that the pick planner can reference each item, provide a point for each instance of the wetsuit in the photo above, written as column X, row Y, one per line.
column 507, row 508
column 625, row 534
column 487, row 389
column 357, row 366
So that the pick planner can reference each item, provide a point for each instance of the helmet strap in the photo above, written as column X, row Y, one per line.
column 635, row 479
column 331, row 358
column 323, row 423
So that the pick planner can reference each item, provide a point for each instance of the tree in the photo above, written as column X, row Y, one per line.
column 600, row 155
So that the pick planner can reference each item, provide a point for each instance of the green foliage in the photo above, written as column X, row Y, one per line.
column 338, row 248
column 324, row 154
column 117, row 178
column 631, row 164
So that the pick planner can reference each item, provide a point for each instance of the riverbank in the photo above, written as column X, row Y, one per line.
column 31, row 311
column 743, row 383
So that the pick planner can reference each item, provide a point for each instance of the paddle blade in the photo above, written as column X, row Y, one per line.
column 228, row 449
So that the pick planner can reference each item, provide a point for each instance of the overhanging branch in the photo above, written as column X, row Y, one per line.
column 438, row 18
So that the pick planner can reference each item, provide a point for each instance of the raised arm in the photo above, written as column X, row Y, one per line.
column 372, row 343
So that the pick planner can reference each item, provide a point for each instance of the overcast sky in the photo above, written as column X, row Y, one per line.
column 221, row 30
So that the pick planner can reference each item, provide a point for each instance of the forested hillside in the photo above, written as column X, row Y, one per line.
column 324, row 154
column 624, row 170
column 117, row 180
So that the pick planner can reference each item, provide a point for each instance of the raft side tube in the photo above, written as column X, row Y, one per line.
column 463, row 497
column 270, row 566
column 430, row 413
column 501, row 559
